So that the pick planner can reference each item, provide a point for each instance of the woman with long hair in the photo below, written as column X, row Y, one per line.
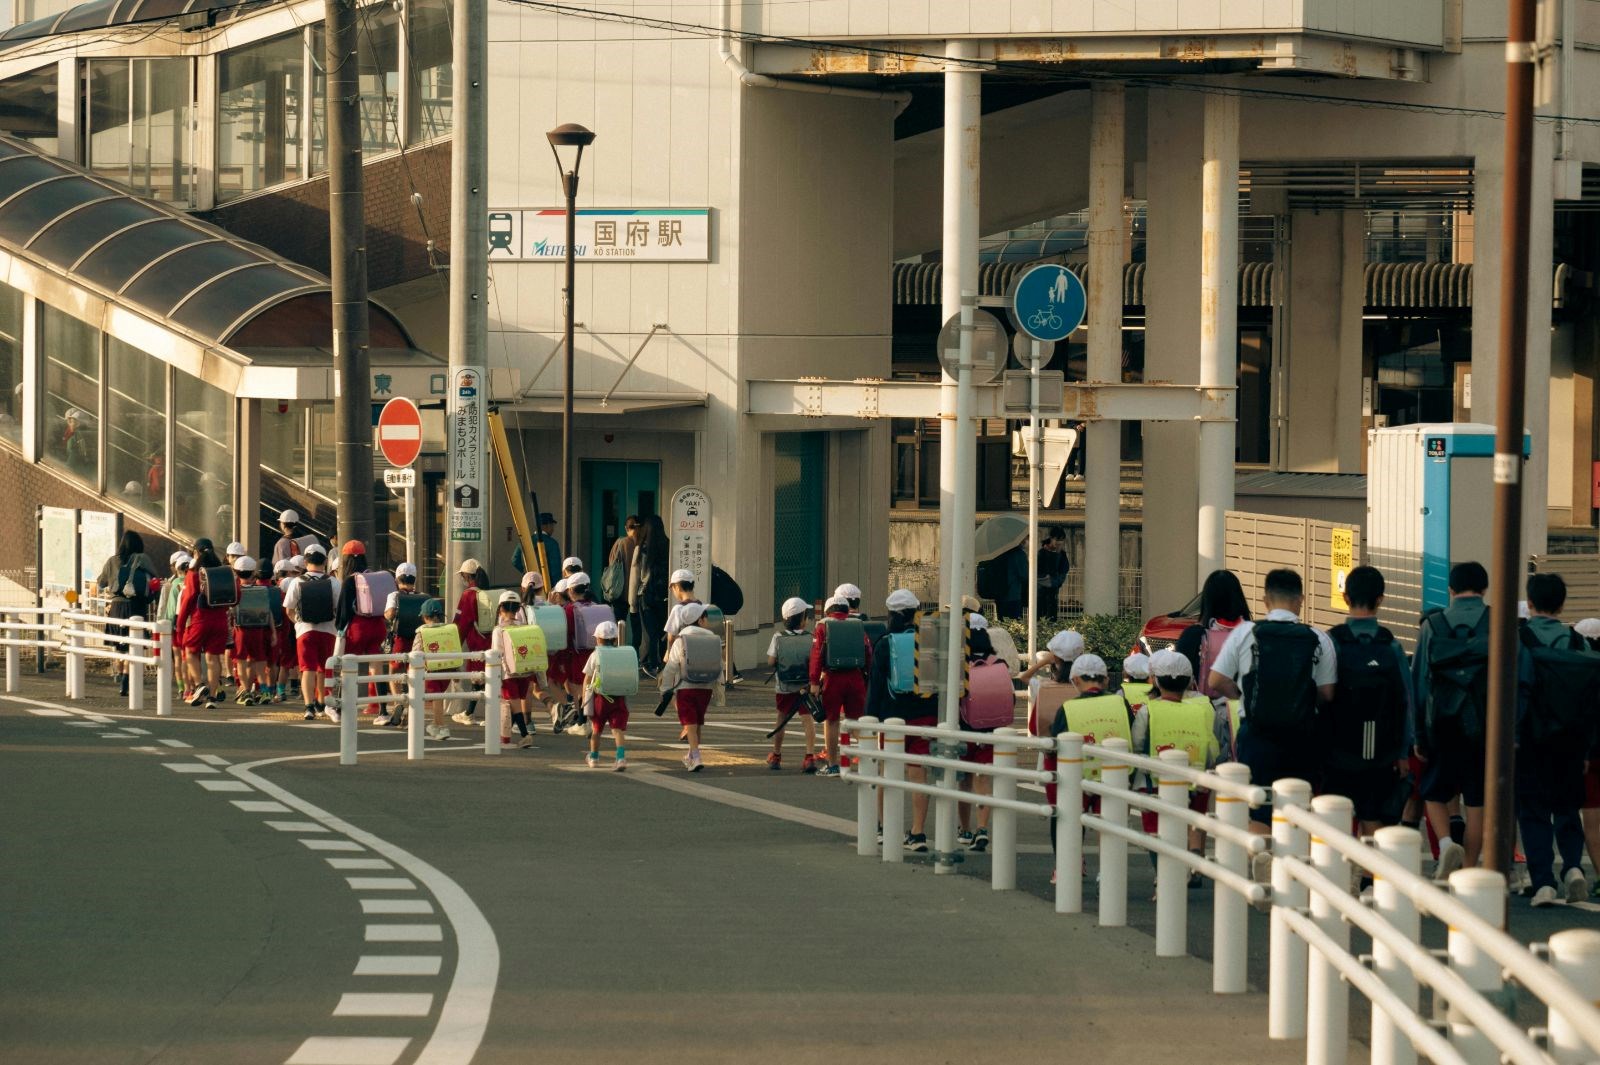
column 1222, row 606
column 128, row 578
column 654, row 565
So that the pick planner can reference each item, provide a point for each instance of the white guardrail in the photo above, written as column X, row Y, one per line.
column 79, row 636
column 346, row 697
column 1311, row 906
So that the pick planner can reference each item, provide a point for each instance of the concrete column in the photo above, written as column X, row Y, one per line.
column 1103, row 466
column 963, row 124
column 1219, row 314
column 247, row 479
column 1323, row 348
column 1172, row 324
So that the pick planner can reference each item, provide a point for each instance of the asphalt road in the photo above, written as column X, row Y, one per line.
column 246, row 899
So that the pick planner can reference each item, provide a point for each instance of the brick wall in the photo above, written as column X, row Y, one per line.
column 294, row 221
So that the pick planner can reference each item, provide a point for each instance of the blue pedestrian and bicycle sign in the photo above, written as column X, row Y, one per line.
column 1048, row 302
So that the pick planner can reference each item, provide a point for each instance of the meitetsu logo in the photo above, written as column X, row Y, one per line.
column 546, row 249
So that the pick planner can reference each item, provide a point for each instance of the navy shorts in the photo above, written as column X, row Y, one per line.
column 1270, row 759
column 1454, row 767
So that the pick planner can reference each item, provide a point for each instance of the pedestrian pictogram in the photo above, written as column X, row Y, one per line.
column 400, row 431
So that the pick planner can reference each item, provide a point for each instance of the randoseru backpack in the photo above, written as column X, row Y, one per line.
column 702, row 657
column 989, row 702
column 316, row 600
column 255, row 608
column 1211, row 641
column 586, row 617
column 794, row 657
column 1280, row 697
column 846, row 644
column 1566, row 692
column 616, row 673
column 372, row 592
column 553, row 620
column 903, row 662
column 1458, row 676
column 218, row 587
column 408, row 614
column 1367, row 720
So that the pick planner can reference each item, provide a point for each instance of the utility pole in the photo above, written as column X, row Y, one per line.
column 347, row 257
column 469, row 255
column 1505, row 575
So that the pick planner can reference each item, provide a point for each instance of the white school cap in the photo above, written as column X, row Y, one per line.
column 681, row 576
column 1139, row 666
column 848, row 591
column 471, row 565
column 690, row 613
column 315, row 549
column 283, row 565
column 1066, row 645
column 235, row 549
column 1170, row 663
column 1588, row 628
column 573, row 563
column 578, row 580
column 836, row 601
column 533, row 579
column 606, row 630
column 794, row 606
column 971, row 605
column 977, row 622
column 510, row 597
column 297, row 562
column 289, row 517
column 244, row 564
column 404, row 570
column 182, row 559
column 1089, row 666
column 902, row 599
column 561, row 585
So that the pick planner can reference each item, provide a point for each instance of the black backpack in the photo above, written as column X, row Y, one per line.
column 218, row 587
column 1566, row 691
column 133, row 582
column 408, row 614
column 1280, row 697
column 316, row 600
column 991, row 579
column 1458, row 676
column 1368, row 716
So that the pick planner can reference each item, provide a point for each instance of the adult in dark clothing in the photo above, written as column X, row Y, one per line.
column 621, row 552
column 1053, row 568
column 651, row 614
column 1006, row 576
column 552, row 549
column 127, row 577
column 883, row 704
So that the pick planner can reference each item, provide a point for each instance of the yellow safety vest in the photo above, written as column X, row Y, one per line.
column 1138, row 692
column 1098, row 718
column 1184, row 726
column 439, row 640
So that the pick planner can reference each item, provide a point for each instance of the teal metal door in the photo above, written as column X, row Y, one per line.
column 616, row 490
column 799, row 515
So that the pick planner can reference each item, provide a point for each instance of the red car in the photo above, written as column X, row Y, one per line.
column 1163, row 630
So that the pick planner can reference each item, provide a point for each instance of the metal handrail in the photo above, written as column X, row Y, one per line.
column 1254, row 794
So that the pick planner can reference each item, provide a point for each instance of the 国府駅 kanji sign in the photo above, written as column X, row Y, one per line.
column 604, row 234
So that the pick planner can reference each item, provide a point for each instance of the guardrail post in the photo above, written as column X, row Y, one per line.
column 136, row 669
column 1484, row 893
column 1003, row 822
column 1403, row 846
column 1230, row 919
column 1172, row 879
column 1114, row 849
column 164, row 668
column 1327, row 997
column 1575, row 954
column 416, row 704
column 1068, row 823
column 866, row 794
column 13, row 660
column 349, row 710
column 894, row 799
column 1286, row 963
column 70, row 659
column 491, row 702
column 944, row 807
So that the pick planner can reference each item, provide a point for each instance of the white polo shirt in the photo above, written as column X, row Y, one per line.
column 1238, row 654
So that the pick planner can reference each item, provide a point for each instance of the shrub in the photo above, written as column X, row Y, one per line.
column 1111, row 636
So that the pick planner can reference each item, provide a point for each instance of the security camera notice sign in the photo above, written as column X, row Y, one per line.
column 691, row 535
column 468, row 450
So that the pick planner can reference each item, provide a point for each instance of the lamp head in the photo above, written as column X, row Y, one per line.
column 567, row 142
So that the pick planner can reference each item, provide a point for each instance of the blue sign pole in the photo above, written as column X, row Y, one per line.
column 1047, row 302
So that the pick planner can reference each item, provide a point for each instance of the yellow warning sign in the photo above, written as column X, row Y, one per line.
column 1341, row 560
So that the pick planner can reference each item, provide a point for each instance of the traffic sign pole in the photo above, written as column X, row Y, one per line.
column 1036, row 357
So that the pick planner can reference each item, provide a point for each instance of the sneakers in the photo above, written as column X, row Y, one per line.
column 826, row 770
column 1451, row 857
column 332, row 712
column 592, row 759
column 243, row 698
column 964, row 838
column 382, row 719
column 441, row 733
column 774, row 761
column 1545, row 896
column 310, row 715
column 809, row 765
column 691, row 762
column 980, row 840
column 1577, row 885
column 917, row 842
column 463, row 718
column 527, row 741
column 198, row 698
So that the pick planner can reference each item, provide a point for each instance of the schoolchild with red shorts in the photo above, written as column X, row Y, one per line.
column 605, row 712
column 692, row 671
column 838, row 675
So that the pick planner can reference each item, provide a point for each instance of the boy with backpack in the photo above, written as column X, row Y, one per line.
column 1367, row 728
column 438, row 637
column 789, row 655
column 1449, row 683
column 610, row 675
column 680, row 586
column 1558, row 689
column 1284, row 670
column 584, row 615
column 840, row 655
column 312, row 602
column 286, row 659
column 892, row 691
column 253, row 626
column 692, row 670
column 521, row 646
column 471, row 625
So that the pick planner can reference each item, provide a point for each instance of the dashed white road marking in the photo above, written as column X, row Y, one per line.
column 150, row 750
column 223, row 785
column 174, row 743
column 212, row 759
column 383, row 1004
column 260, row 806
column 136, row 731
column 359, row 863
column 396, row 906
column 331, row 845
column 47, row 711
column 405, row 933
column 381, row 883
column 83, row 724
column 399, row 965
column 190, row 767
column 349, row 1050
column 296, row 826
column 99, row 719
column 115, row 734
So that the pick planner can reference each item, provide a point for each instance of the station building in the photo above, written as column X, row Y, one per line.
column 1285, row 210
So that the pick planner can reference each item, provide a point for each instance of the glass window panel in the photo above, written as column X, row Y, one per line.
column 430, row 69
column 71, row 351
column 161, row 130
column 122, row 256
column 136, row 427
column 65, row 242
column 324, row 455
column 28, row 108
column 109, row 141
column 202, row 460
column 283, row 438
column 258, row 115
column 217, row 306
column 23, row 216
column 378, row 46
column 319, row 102
column 10, row 364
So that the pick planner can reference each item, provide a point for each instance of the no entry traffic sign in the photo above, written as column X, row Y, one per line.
column 400, row 431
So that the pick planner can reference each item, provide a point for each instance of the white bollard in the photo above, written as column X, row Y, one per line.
column 1230, row 917
column 866, row 794
column 945, row 810
column 1114, row 849
column 1068, row 826
column 13, row 661
column 1575, row 954
column 491, row 702
column 1172, row 879
column 164, row 668
column 416, row 704
column 69, row 641
column 894, row 799
column 1484, row 893
column 1286, row 961
column 1003, row 822
column 349, row 712
column 1404, row 846
column 1327, row 996
column 136, row 669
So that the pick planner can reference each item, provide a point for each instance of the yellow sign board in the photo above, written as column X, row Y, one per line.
column 1341, row 560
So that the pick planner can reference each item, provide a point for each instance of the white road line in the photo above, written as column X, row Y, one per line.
column 383, row 1004
column 396, row 906
column 464, row 1012
column 212, row 759
column 99, row 719
column 260, row 806
column 116, row 734
column 407, row 933
column 224, row 785
column 349, row 1050
column 150, row 750
column 381, row 883
column 136, row 731
column 296, row 826
column 47, row 711
column 83, row 724
column 190, row 767
column 398, row 965
column 359, row 863
column 331, row 845
column 174, row 743
column 782, row 811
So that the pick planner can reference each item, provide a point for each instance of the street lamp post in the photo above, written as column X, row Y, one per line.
column 567, row 142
